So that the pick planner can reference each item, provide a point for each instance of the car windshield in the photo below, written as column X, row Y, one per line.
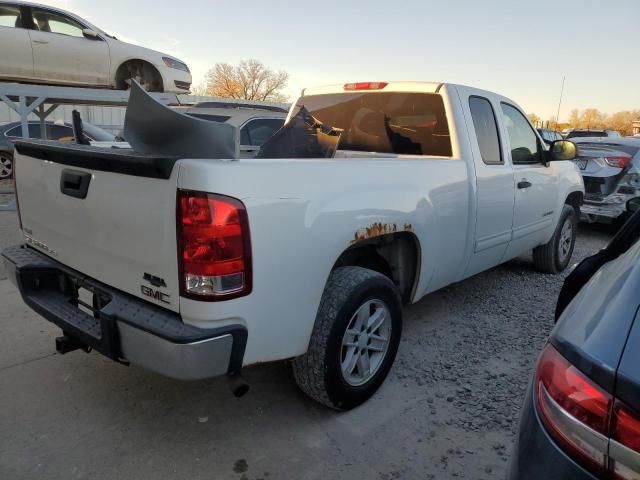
column 385, row 122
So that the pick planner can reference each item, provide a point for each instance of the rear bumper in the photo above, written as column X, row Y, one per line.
column 611, row 206
column 123, row 327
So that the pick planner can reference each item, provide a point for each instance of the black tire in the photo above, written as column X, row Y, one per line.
column 548, row 258
column 6, row 166
column 318, row 372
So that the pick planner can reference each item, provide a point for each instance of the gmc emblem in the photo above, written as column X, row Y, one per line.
column 155, row 294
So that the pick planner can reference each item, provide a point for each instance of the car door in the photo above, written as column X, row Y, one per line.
column 536, row 189
column 61, row 52
column 16, row 56
column 494, row 181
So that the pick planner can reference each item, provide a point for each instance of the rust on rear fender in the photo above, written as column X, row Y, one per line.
column 378, row 229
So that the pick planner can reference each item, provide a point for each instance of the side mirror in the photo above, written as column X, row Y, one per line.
column 562, row 150
column 90, row 34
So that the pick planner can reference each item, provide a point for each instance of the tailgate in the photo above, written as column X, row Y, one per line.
column 107, row 214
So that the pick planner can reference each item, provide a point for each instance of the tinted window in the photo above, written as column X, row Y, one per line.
column 47, row 21
column 60, row 132
column 34, row 131
column 256, row 132
column 10, row 16
column 484, row 123
column 385, row 122
column 522, row 138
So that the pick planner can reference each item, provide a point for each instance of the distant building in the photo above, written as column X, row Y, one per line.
column 636, row 127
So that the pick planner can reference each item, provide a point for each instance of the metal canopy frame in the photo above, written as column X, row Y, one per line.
column 42, row 100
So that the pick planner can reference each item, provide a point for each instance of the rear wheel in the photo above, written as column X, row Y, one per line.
column 555, row 255
column 354, row 341
column 6, row 166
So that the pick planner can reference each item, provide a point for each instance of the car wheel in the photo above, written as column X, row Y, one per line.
column 354, row 341
column 6, row 166
column 555, row 255
column 143, row 73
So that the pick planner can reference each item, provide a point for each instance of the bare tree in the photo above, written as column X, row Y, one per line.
column 199, row 89
column 249, row 80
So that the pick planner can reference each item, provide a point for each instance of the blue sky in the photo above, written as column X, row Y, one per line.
column 519, row 48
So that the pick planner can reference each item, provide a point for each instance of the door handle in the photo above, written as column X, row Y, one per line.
column 524, row 184
column 74, row 183
column 41, row 42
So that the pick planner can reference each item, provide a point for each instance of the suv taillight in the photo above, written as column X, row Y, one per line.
column 214, row 250
column 593, row 427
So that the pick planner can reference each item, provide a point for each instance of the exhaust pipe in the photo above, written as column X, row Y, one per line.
column 238, row 385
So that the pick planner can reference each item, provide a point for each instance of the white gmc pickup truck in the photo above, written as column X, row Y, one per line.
column 195, row 268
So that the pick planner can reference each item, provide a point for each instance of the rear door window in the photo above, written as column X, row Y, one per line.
column 16, row 132
column 53, row 22
column 384, row 122
column 485, row 126
column 257, row 132
column 10, row 16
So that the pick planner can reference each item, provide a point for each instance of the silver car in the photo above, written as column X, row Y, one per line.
column 610, row 168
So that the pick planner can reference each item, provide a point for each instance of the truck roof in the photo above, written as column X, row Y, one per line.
column 401, row 86
column 396, row 86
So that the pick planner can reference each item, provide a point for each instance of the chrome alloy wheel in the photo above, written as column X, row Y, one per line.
column 365, row 342
column 566, row 240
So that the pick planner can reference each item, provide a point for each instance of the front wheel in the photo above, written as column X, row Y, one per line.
column 555, row 255
column 354, row 340
column 6, row 166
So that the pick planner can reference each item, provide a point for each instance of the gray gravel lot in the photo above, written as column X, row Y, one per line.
column 448, row 409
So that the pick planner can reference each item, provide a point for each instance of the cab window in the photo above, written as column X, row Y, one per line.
column 484, row 124
column 525, row 146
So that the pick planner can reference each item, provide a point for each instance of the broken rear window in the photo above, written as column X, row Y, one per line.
column 385, row 122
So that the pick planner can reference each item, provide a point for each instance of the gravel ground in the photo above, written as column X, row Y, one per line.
column 449, row 408
column 6, row 185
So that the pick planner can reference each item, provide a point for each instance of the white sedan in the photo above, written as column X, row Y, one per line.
column 41, row 44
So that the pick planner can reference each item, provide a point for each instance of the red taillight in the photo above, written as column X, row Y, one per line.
column 626, row 427
column 618, row 162
column 574, row 409
column 597, row 430
column 365, row 86
column 213, row 246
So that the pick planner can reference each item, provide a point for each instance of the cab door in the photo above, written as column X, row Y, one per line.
column 16, row 57
column 494, row 181
column 536, row 188
column 61, row 52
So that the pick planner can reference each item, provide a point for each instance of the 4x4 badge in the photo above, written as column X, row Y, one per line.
column 155, row 281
